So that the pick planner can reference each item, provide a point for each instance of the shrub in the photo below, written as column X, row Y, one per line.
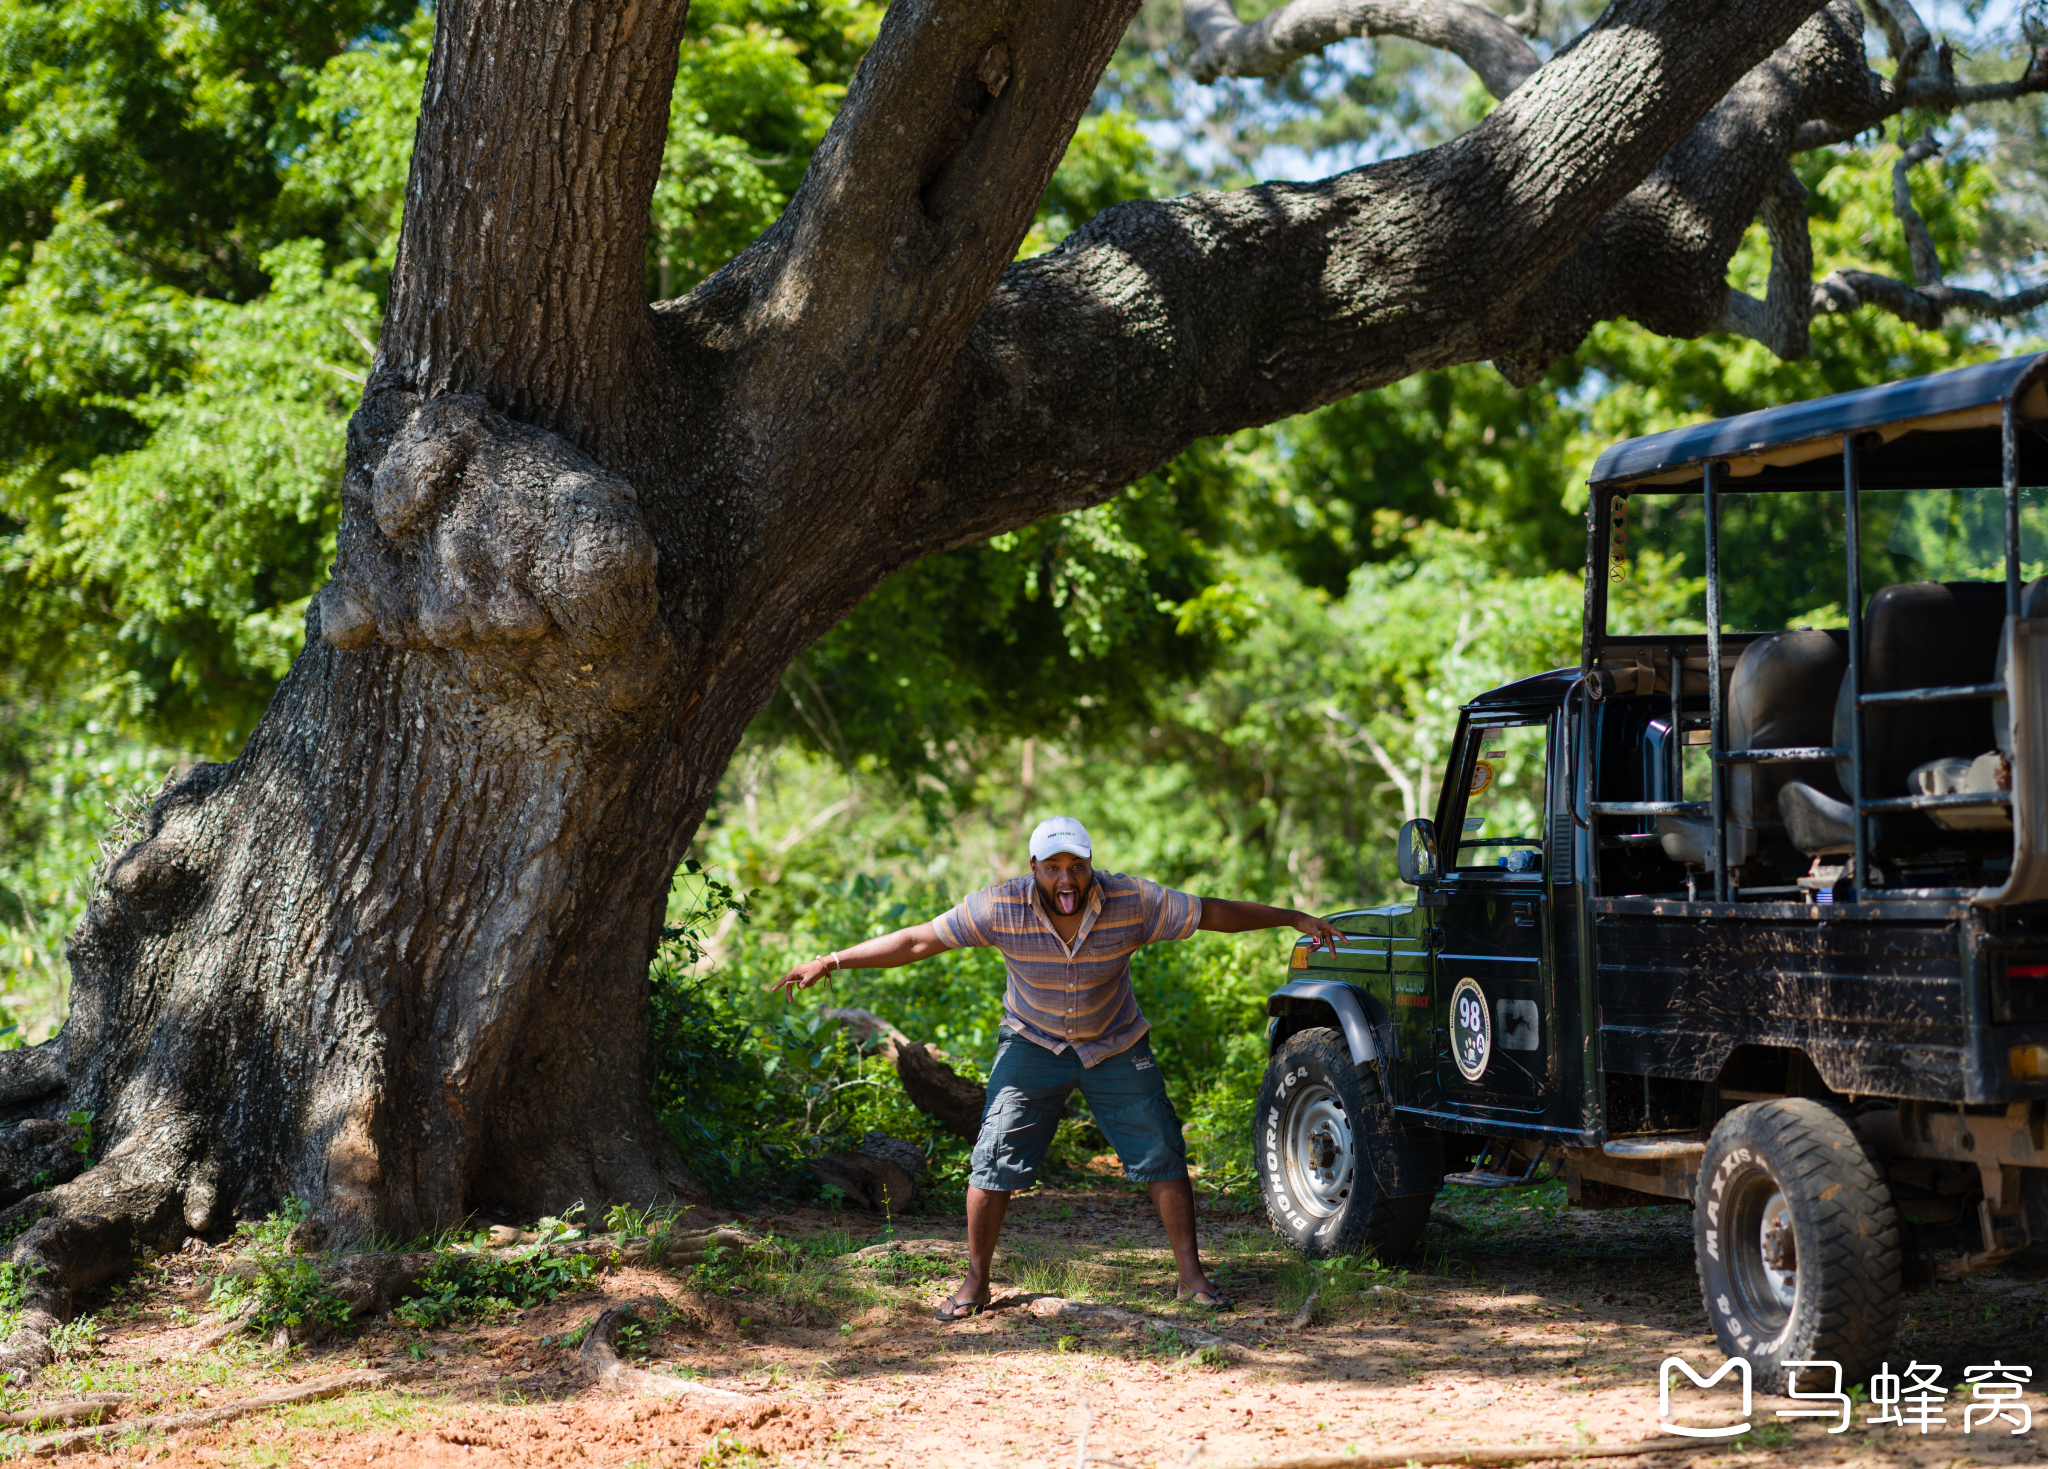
column 490, row 1287
column 287, row 1290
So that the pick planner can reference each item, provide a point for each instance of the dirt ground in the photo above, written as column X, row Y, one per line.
column 1525, row 1323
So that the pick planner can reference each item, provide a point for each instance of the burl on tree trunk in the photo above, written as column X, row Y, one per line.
column 393, row 957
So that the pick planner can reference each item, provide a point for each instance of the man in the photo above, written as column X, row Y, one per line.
column 1067, row 933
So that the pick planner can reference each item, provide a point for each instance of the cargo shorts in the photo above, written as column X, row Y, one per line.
column 1028, row 1089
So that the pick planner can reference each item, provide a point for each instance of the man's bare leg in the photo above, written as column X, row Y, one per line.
column 985, row 1210
column 1175, row 1200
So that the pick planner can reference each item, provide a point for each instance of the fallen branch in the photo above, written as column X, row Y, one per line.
column 1060, row 1308
column 1481, row 1454
column 940, row 1092
column 601, row 1360
column 71, row 1440
column 868, row 1028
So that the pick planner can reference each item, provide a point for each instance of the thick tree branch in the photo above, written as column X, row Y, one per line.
column 1939, row 91
column 1780, row 320
column 912, row 207
column 1919, row 244
column 1494, row 48
column 1159, row 322
column 1906, row 36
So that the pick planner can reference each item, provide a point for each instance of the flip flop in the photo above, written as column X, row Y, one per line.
column 1208, row 1300
column 954, row 1309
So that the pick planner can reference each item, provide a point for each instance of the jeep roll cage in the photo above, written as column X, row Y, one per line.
column 1976, row 427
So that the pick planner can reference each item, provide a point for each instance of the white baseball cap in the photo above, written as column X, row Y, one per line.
column 1060, row 834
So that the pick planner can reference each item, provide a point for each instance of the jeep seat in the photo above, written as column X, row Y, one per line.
column 1781, row 693
column 1916, row 635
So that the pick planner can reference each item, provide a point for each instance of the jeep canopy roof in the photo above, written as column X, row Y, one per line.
column 1944, row 428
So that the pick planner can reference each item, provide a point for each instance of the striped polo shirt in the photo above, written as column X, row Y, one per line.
column 1079, row 997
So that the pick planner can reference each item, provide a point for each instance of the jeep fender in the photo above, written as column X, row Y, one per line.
column 1302, row 1003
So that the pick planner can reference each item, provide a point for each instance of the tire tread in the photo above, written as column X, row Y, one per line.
column 1389, row 1228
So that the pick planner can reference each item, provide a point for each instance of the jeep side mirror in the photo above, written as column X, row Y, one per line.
column 1417, row 852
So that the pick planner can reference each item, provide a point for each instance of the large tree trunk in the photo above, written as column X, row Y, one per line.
column 393, row 957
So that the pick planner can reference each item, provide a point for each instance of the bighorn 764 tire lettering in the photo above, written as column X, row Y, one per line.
column 1317, row 1180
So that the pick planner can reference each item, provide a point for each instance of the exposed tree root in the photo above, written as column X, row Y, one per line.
column 71, row 1440
column 950, row 1248
column 60, row 1258
column 601, row 1360
column 49, row 1415
column 1060, row 1308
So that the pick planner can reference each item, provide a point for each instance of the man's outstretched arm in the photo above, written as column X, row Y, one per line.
column 905, row 946
column 1234, row 915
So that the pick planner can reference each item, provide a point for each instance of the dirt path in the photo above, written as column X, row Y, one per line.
column 1526, row 1324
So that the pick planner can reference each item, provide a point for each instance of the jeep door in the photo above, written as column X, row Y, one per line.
column 1492, row 1002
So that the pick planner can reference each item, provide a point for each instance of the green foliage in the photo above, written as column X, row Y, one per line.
column 74, row 1338
column 756, row 88
column 281, row 1289
column 173, row 390
column 205, row 544
column 490, row 1285
column 64, row 776
column 1341, row 1282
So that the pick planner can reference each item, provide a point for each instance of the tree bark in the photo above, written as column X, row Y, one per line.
column 393, row 957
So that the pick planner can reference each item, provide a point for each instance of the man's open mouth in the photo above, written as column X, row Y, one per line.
column 1069, row 900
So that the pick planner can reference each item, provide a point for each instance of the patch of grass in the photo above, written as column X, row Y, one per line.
column 808, row 1288
column 727, row 1451
column 356, row 1412
column 829, row 1243
column 915, row 1271
column 1352, row 1281
column 1041, row 1270
column 637, row 1334
column 17, row 1285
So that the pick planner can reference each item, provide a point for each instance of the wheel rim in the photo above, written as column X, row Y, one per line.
column 1764, row 1252
column 1319, row 1156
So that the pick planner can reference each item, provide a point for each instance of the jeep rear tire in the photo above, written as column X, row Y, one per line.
column 1308, row 1141
column 1797, row 1240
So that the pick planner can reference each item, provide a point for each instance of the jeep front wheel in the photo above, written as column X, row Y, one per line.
column 1312, row 1127
column 1797, row 1241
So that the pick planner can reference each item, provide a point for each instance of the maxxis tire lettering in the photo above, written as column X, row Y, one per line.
column 1797, row 1164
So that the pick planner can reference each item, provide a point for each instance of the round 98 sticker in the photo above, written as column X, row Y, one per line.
column 1471, row 1029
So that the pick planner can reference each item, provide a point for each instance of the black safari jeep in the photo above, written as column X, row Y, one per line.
column 1748, row 910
